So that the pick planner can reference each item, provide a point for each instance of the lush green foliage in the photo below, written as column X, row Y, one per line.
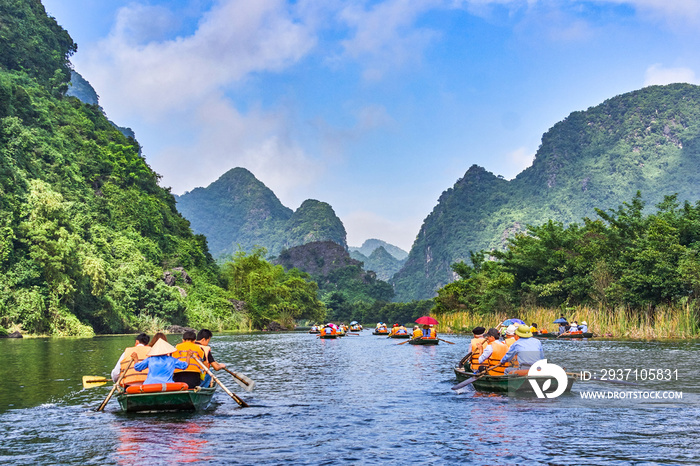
column 270, row 293
column 624, row 258
column 645, row 140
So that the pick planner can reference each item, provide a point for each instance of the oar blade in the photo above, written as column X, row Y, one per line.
column 464, row 383
column 247, row 383
column 90, row 381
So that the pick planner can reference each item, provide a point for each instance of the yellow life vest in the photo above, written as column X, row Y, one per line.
column 476, row 352
column 132, row 376
column 181, row 354
column 417, row 333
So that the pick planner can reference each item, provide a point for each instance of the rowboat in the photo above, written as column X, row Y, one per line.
column 557, row 335
column 314, row 331
column 400, row 335
column 423, row 341
column 511, row 384
column 328, row 335
column 185, row 400
column 380, row 332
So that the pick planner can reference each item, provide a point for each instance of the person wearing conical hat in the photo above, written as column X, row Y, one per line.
column 528, row 350
column 160, row 364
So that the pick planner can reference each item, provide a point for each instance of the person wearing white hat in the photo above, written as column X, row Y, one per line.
column 510, row 335
column 160, row 364
column 583, row 327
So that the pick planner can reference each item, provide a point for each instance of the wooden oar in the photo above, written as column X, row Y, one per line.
column 111, row 392
column 404, row 342
column 242, row 380
column 464, row 360
column 353, row 334
column 473, row 379
column 90, row 381
column 577, row 376
column 240, row 402
column 446, row 341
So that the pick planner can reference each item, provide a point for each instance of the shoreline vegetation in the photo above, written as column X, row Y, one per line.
column 666, row 323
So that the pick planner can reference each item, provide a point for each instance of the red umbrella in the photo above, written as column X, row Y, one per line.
column 426, row 320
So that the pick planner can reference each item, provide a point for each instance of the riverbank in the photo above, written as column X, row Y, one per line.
column 663, row 324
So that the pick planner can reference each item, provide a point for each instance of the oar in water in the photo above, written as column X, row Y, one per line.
column 446, row 341
column 404, row 342
column 473, row 379
column 245, row 382
column 577, row 376
column 240, row 402
column 353, row 334
column 111, row 392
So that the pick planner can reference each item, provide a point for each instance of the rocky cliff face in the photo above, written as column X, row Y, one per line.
column 647, row 140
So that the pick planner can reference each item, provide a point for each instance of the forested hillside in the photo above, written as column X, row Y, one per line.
column 237, row 211
column 89, row 242
column 647, row 140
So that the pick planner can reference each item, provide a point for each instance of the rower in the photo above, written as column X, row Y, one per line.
column 493, row 351
column 203, row 339
column 417, row 332
column 192, row 375
column 528, row 350
column 476, row 349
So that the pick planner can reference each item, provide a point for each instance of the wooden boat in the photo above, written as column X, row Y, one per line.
column 511, row 384
column 423, row 341
column 400, row 335
column 355, row 328
column 381, row 332
column 314, row 331
column 556, row 335
column 328, row 335
column 184, row 400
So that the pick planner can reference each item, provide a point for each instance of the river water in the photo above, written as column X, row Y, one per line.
column 360, row 399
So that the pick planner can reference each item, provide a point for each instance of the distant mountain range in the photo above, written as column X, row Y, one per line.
column 381, row 257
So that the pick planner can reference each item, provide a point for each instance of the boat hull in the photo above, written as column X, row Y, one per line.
column 556, row 335
column 510, row 384
column 423, row 341
column 380, row 333
column 328, row 337
column 400, row 335
column 184, row 400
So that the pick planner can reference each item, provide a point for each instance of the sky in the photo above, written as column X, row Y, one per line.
column 375, row 107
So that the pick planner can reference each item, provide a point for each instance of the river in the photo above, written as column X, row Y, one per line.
column 360, row 399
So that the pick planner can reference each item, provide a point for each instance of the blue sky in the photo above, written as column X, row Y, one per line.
column 375, row 107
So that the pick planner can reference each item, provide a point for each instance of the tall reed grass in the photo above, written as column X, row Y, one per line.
column 664, row 323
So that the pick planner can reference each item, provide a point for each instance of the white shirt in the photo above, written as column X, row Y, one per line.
column 486, row 354
column 118, row 367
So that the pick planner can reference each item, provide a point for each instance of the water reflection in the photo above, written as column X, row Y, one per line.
column 166, row 442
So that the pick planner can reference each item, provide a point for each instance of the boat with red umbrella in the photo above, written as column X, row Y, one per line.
column 426, row 340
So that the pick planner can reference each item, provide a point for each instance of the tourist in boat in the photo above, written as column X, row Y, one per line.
column 132, row 376
column 583, row 327
column 328, row 330
column 192, row 374
column 401, row 330
column 160, row 364
column 394, row 328
column 156, row 337
column 493, row 352
column 533, row 328
column 563, row 327
column 510, row 335
column 528, row 350
column 203, row 339
column 476, row 347
column 417, row 333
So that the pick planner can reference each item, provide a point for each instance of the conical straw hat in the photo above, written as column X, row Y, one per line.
column 160, row 348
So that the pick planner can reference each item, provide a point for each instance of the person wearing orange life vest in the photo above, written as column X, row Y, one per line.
column 493, row 352
column 160, row 364
column 417, row 333
column 132, row 376
column 203, row 339
column 192, row 375
column 476, row 348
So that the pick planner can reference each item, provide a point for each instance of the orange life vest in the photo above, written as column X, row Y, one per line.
column 476, row 352
column 509, row 341
column 132, row 376
column 181, row 354
column 433, row 333
column 499, row 350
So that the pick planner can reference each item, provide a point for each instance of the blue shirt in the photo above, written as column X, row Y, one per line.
column 583, row 328
column 160, row 368
column 528, row 350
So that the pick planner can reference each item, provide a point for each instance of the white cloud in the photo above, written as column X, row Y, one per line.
column 658, row 75
column 517, row 161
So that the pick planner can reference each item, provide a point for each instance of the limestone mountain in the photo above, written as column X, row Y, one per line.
column 370, row 245
column 647, row 140
column 238, row 210
column 379, row 261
